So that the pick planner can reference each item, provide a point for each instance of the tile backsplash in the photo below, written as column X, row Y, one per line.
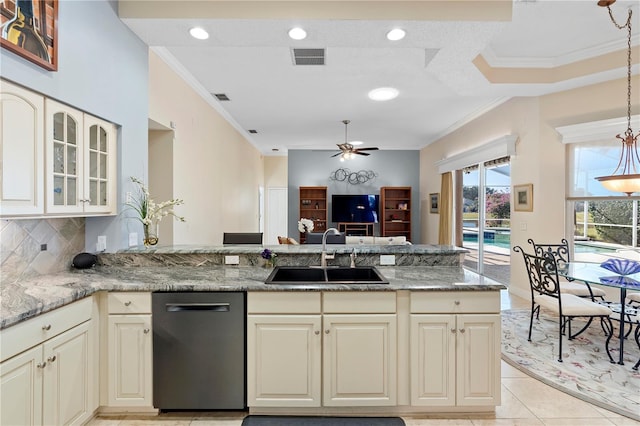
column 21, row 246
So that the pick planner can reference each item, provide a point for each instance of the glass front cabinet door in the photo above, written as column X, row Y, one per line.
column 80, row 161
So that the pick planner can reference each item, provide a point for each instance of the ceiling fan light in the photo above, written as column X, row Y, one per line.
column 297, row 33
column 199, row 33
column 396, row 34
column 383, row 94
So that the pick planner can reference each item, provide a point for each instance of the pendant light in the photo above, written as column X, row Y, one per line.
column 626, row 176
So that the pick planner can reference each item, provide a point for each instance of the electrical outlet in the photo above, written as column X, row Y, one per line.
column 523, row 226
column 133, row 239
column 232, row 260
column 387, row 259
column 102, row 243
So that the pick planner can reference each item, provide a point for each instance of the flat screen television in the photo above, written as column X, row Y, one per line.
column 355, row 208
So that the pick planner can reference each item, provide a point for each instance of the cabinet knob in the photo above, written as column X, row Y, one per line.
column 326, row 331
column 52, row 358
column 41, row 364
column 462, row 330
column 457, row 302
column 46, row 327
column 127, row 303
column 146, row 331
column 453, row 330
column 317, row 332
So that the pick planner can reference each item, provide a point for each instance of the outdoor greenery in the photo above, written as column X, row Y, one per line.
column 498, row 205
column 618, row 212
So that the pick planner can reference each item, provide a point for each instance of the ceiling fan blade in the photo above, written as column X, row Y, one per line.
column 335, row 155
column 360, row 153
column 368, row 149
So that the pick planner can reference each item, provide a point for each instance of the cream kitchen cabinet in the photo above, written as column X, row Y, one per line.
column 80, row 162
column 22, row 151
column 55, row 380
column 295, row 349
column 129, row 343
column 455, row 352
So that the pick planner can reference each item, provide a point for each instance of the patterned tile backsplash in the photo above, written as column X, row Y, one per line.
column 21, row 246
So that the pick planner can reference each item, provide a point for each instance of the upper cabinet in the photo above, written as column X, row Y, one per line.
column 55, row 160
column 22, row 151
column 80, row 161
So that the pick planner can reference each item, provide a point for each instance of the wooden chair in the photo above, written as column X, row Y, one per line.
column 562, row 255
column 545, row 293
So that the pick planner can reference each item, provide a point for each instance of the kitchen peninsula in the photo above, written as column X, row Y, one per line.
column 427, row 341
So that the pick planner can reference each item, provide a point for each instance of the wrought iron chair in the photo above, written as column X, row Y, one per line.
column 562, row 255
column 636, row 334
column 545, row 293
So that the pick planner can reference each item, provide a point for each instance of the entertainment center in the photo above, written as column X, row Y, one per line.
column 357, row 214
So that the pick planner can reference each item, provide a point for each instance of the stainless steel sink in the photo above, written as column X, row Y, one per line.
column 288, row 275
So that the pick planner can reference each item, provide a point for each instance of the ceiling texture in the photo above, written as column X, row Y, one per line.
column 459, row 59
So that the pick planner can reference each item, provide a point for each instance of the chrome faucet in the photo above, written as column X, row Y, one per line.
column 353, row 256
column 324, row 256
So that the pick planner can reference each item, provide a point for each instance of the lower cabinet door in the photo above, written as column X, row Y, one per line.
column 68, row 377
column 433, row 360
column 359, row 360
column 478, row 353
column 21, row 380
column 283, row 360
column 130, row 361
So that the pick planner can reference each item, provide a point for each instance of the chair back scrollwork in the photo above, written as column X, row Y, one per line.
column 560, row 252
column 543, row 273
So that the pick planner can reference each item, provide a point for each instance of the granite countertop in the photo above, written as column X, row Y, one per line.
column 28, row 298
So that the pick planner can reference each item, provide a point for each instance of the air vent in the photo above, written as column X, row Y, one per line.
column 253, row 131
column 308, row 56
column 221, row 96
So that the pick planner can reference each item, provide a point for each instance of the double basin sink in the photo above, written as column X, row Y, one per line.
column 289, row 275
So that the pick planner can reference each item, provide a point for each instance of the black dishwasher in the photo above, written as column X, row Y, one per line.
column 199, row 350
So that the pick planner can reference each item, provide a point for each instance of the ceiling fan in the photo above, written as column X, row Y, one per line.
column 348, row 150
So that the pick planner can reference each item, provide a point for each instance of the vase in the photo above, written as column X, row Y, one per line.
column 150, row 235
column 269, row 263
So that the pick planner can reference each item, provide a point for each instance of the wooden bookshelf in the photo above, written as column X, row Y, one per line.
column 395, row 209
column 313, row 205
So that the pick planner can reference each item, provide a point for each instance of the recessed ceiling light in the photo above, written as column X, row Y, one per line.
column 396, row 34
column 199, row 33
column 355, row 143
column 383, row 94
column 297, row 33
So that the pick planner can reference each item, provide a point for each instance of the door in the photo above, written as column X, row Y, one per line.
column 21, row 380
column 99, row 165
column 433, row 360
column 67, row 381
column 359, row 360
column 478, row 363
column 130, row 362
column 21, row 151
column 276, row 215
column 283, row 355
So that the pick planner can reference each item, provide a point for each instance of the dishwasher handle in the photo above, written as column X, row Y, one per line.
column 181, row 307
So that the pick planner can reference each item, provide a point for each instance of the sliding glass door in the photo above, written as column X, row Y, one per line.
column 486, row 220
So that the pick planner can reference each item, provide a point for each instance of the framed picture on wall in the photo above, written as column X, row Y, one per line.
column 523, row 198
column 434, row 202
column 30, row 30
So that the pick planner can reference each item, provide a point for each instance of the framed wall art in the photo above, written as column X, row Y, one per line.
column 523, row 198
column 30, row 30
column 434, row 202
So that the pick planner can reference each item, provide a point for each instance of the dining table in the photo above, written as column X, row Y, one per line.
column 594, row 273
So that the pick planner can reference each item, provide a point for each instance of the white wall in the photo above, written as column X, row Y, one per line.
column 216, row 171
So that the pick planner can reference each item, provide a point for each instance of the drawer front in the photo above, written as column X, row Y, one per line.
column 358, row 302
column 32, row 332
column 429, row 302
column 288, row 302
column 129, row 303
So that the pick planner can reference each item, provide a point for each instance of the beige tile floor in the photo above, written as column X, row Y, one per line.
column 525, row 402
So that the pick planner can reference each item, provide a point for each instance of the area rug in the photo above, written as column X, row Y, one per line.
column 320, row 421
column 585, row 372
